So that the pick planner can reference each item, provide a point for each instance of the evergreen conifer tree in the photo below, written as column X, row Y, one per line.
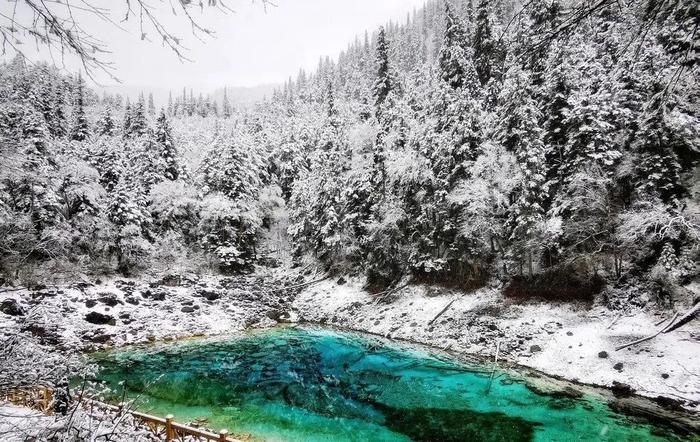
column 226, row 106
column 168, row 153
column 658, row 169
column 139, row 125
column 80, row 129
column 457, row 108
column 126, row 125
column 384, row 81
column 171, row 109
column 489, row 51
column 151, row 105
column 105, row 125
column 58, row 121
column 520, row 132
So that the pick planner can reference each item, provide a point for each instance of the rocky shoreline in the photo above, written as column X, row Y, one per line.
column 86, row 317
column 568, row 341
column 661, row 411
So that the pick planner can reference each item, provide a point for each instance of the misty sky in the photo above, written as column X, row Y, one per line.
column 252, row 46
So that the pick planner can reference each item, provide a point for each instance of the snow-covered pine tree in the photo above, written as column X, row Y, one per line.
column 201, row 108
column 41, row 95
column 489, row 51
column 47, row 97
column 126, row 124
column 332, row 141
column 171, row 108
column 457, row 106
column 385, row 81
column 127, row 211
column 234, row 167
column 34, row 136
column 385, row 85
column 520, row 132
column 126, row 207
column 590, row 134
column 191, row 104
column 108, row 162
column 544, row 17
column 226, row 106
column 555, row 97
column 168, row 152
column 151, row 105
column 657, row 168
column 145, row 163
column 455, row 58
column 105, row 124
column 139, row 125
column 58, row 126
column 80, row 130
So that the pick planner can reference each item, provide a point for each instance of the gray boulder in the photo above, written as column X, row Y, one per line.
column 100, row 318
column 11, row 307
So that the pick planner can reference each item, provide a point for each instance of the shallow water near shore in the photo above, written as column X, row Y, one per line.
column 315, row 384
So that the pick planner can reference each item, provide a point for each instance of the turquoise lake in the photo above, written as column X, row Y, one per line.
column 312, row 384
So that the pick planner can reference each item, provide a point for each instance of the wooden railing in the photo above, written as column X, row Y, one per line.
column 40, row 398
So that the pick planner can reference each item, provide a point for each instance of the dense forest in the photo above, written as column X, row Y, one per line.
column 476, row 141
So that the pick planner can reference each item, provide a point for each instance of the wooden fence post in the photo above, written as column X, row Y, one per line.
column 47, row 399
column 223, row 435
column 169, row 432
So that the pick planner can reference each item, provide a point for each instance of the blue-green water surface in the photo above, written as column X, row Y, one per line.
column 299, row 384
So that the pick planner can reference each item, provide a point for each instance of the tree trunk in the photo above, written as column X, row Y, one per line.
column 689, row 316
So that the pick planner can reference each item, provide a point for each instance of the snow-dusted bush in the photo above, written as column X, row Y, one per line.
column 132, row 249
column 79, row 190
column 229, row 230
column 387, row 251
column 649, row 232
column 486, row 197
column 175, row 207
column 170, row 254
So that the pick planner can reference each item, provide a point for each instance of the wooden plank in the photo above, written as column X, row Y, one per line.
column 43, row 394
column 196, row 432
column 148, row 417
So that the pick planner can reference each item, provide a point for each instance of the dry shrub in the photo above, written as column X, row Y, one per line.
column 563, row 284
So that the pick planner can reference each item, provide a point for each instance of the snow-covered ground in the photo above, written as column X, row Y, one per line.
column 49, row 329
column 18, row 424
column 122, row 312
column 572, row 341
column 563, row 340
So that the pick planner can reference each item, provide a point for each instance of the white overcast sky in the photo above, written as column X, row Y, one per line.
column 252, row 46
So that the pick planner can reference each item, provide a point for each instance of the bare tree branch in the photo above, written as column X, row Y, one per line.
column 56, row 26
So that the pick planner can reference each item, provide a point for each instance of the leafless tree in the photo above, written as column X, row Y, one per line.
column 58, row 26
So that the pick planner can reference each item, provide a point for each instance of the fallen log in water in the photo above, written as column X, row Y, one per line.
column 495, row 365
